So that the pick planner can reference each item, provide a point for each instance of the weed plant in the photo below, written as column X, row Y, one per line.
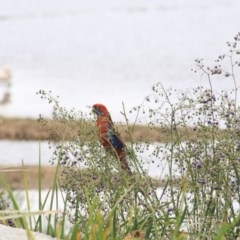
column 207, row 165
column 101, row 199
column 199, row 195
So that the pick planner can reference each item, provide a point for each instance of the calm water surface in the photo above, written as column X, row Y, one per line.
column 108, row 51
column 14, row 152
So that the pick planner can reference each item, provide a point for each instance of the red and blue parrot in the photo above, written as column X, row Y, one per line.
column 108, row 137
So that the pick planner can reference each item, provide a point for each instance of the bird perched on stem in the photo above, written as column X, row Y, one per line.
column 108, row 137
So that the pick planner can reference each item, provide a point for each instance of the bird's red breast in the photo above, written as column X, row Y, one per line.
column 103, row 123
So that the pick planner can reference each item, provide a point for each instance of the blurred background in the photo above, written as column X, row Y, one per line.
column 106, row 51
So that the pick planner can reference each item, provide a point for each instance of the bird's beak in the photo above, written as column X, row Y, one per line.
column 94, row 111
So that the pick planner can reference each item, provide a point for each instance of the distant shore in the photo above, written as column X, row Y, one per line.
column 55, row 130
column 27, row 177
column 14, row 176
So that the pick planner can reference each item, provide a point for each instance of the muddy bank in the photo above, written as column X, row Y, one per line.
column 32, row 129
column 19, row 177
column 27, row 177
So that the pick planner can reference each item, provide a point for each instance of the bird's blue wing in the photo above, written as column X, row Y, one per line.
column 115, row 141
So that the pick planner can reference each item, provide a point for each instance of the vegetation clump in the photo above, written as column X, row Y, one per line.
column 199, row 197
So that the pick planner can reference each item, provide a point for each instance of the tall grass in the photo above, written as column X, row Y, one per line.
column 199, row 196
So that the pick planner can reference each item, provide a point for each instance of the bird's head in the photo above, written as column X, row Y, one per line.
column 100, row 110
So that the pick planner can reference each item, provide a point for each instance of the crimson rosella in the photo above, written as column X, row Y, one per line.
column 108, row 137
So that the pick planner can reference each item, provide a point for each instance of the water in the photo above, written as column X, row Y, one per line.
column 29, row 153
column 107, row 51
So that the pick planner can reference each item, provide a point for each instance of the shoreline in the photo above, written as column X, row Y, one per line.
column 26, row 177
column 56, row 130
column 21, row 177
